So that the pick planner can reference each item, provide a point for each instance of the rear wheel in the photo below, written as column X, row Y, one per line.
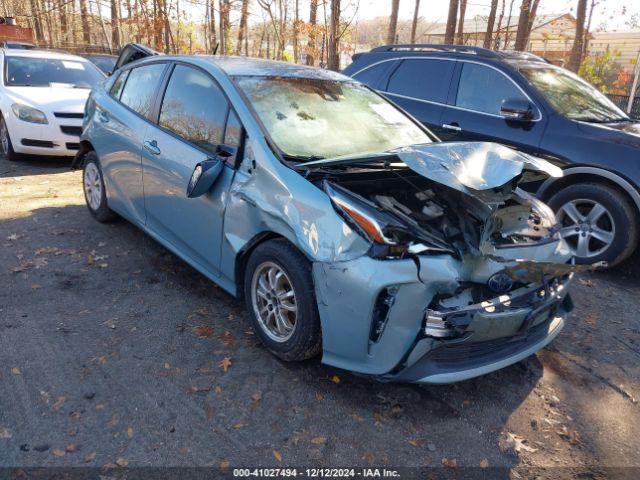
column 598, row 222
column 95, row 194
column 279, row 293
column 5, row 142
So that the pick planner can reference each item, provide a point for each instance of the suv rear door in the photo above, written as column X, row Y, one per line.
column 473, row 112
column 421, row 86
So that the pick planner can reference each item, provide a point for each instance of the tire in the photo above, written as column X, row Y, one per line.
column 614, row 235
column 95, row 194
column 305, row 340
column 6, row 147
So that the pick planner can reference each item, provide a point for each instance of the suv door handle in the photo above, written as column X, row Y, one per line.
column 152, row 147
column 454, row 127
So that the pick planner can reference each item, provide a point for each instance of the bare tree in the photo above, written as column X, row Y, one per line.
column 333, row 52
column 451, row 21
column 587, row 30
column 490, row 24
column 242, row 28
column 393, row 22
column 523, row 25
column 463, row 10
column 575, row 59
column 35, row 12
column 115, row 31
column 414, row 24
column 532, row 19
column 311, row 43
column 84, row 18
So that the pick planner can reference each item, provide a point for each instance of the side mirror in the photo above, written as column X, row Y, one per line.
column 517, row 109
column 203, row 177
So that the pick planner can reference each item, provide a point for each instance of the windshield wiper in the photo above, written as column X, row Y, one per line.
column 301, row 158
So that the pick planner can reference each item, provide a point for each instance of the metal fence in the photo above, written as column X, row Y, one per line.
column 622, row 101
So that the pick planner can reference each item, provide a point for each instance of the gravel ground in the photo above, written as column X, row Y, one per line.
column 112, row 353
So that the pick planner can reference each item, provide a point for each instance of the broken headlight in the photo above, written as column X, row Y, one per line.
column 363, row 216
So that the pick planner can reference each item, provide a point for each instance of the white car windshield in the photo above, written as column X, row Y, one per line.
column 50, row 72
column 317, row 118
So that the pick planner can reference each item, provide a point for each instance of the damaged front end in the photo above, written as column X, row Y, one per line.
column 466, row 272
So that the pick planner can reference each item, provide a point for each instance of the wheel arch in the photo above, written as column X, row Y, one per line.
column 85, row 147
column 575, row 175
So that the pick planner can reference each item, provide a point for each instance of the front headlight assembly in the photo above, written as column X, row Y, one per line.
column 28, row 114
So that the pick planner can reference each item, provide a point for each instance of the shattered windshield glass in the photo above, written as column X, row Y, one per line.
column 319, row 118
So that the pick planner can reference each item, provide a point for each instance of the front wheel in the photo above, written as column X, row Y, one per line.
column 279, row 293
column 95, row 194
column 5, row 142
column 598, row 222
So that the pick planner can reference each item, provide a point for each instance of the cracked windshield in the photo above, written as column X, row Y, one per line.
column 313, row 119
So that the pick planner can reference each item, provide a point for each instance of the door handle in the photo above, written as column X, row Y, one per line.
column 452, row 127
column 152, row 147
column 103, row 116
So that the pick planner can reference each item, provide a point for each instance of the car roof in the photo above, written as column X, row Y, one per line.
column 10, row 52
column 234, row 66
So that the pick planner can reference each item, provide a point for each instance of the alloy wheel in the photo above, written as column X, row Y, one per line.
column 587, row 226
column 274, row 301
column 92, row 186
column 4, row 137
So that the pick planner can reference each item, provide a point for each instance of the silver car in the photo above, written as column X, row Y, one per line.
column 348, row 228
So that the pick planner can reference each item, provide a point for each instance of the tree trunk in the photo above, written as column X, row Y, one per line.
column 585, row 42
column 532, row 18
column 451, row 21
column 64, row 24
column 225, row 30
column 507, row 34
column 212, row 25
column 333, row 52
column 115, row 32
column 311, row 43
column 393, row 22
column 414, row 24
column 523, row 25
column 576, row 51
column 296, row 26
column 37, row 22
column 242, row 28
column 490, row 24
column 463, row 10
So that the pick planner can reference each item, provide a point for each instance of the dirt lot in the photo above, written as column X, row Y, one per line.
column 112, row 349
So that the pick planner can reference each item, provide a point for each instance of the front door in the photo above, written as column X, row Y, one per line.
column 475, row 113
column 191, row 127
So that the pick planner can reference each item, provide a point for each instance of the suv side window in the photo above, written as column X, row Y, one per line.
column 194, row 108
column 116, row 88
column 140, row 89
column 424, row 79
column 484, row 89
column 371, row 76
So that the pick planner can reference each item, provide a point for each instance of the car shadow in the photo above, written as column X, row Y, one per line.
column 34, row 165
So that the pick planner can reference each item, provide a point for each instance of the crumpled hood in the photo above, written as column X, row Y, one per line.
column 471, row 165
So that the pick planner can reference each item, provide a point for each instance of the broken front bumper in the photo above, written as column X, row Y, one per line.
column 375, row 320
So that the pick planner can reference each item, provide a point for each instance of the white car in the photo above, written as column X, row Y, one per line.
column 42, row 98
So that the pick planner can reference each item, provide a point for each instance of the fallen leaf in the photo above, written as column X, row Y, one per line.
column 203, row 331
column 277, row 455
column 113, row 421
column 59, row 403
column 225, row 363
column 335, row 379
column 417, row 442
column 130, row 432
column 319, row 396
column 167, row 366
column 484, row 463
column 319, row 440
column 72, row 447
column 101, row 360
column 122, row 462
column 89, row 458
column 518, row 443
column 58, row 453
column 208, row 410
column 256, row 397
column 450, row 462
column 13, row 237
column 223, row 466
column 16, row 371
column 5, row 432
column 89, row 260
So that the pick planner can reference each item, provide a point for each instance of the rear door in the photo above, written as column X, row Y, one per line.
column 194, row 119
column 474, row 110
column 421, row 86
column 120, row 122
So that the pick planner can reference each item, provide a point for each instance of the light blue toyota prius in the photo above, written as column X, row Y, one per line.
column 348, row 228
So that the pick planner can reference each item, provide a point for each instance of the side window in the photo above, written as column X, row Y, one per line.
column 116, row 88
column 423, row 79
column 194, row 107
column 140, row 88
column 372, row 75
column 484, row 89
